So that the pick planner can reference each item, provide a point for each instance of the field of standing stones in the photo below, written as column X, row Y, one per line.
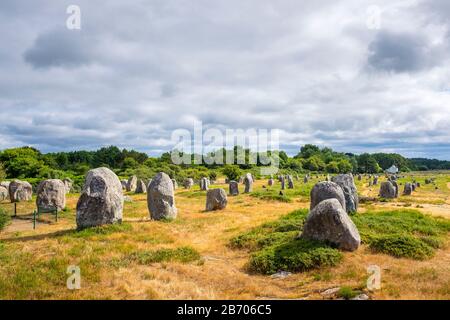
column 314, row 236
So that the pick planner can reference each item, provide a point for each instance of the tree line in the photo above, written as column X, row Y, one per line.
column 30, row 163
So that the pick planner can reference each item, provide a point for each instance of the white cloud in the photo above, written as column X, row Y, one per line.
column 138, row 70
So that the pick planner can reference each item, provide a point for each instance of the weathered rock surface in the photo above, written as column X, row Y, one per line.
column 248, row 180
column 290, row 182
column 188, row 183
column 141, row 187
column 216, row 199
column 326, row 190
column 161, row 198
column 204, row 184
column 408, row 189
column 347, row 183
column 387, row 190
column 329, row 222
column 4, row 194
column 20, row 191
column 68, row 183
column 234, row 188
column 101, row 200
column 132, row 184
column 51, row 194
column 175, row 184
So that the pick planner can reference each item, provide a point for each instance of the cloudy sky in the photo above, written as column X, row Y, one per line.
column 333, row 73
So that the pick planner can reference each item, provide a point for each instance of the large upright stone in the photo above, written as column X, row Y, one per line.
column 175, row 184
column 387, row 190
column 326, row 190
column 20, row 191
column 270, row 182
column 188, row 183
column 204, row 184
column 161, row 198
column 407, row 191
column 234, row 188
column 347, row 183
column 101, row 200
column 216, row 199
column 290, row 182
column 305, row 179
column 68, row 183
column 248, row 180
column 141, row 187
column 51, row 194
column 283, row 182
column 329, row 222
column 5, row 185
column 395, row 184
column 124, row 184
column 4, row 194
column 132, row 184
column 375, row 181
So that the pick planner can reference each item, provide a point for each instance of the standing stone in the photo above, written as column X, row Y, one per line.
column 395, row 184
column 216, row 199
column 68, row 183
column 414, row 186
column 248, row 180
column 20, row 191
column 407, row 191
column 124, row 184
column 375, row 181
column 5, row 184
column 161, row 198
column 141, row 187
column 132, row 184
column 270, row 182
column 290, row 182
column 204, row 184
column 101, row 200
column 283, row 183
column 4, row 194
column 51, row 194
column 326, row 190
column 305, row 179
column 387, row 190
column 234, row 188
column 175, row 184
column 346, row 182
column 188, row 183
column 329, row 222
column 359, row 177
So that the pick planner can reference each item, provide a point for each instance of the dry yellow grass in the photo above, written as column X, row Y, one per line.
column 221, row 273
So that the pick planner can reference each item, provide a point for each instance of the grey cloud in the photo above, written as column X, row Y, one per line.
column 396, row 52
column 60, row 48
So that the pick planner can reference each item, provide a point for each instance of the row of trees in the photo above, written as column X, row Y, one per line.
column 30, row 163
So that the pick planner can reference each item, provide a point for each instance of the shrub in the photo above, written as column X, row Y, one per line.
column 402, row 246
column 183, row 255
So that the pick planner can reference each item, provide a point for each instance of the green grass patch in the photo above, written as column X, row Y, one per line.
column 102, row 230
column 275, row 246
column 182, row 254
column 402, row 233
column 4, row 219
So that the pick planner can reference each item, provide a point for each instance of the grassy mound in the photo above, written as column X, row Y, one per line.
column 275, row 246
column 402, row 233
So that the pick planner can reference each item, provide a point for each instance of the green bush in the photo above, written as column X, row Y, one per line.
column 402, row 233
column 402, row 246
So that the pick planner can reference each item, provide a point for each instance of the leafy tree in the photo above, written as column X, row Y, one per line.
column 345, row 166
column 130, row 163
column 22, row 162
column 308, row 150
column 332, row 167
